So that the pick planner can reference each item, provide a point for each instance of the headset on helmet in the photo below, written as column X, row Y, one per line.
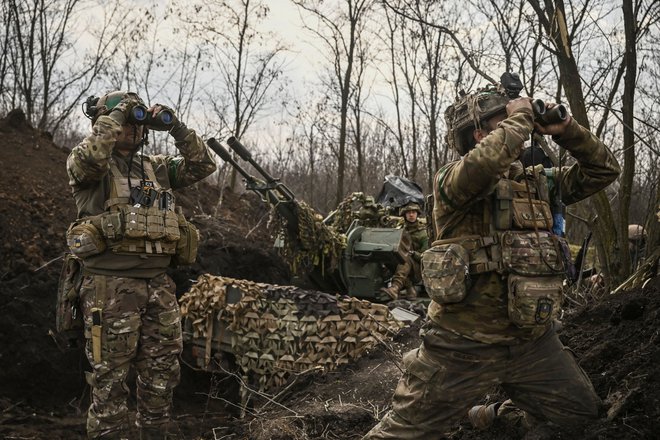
column 94, row 106
column 470, row 110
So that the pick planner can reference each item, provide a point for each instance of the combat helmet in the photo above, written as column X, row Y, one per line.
column 470, row 110
column 636, row 233
column 95, row 107
column 410, row 207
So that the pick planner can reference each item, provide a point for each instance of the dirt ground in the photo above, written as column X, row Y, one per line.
column 43, row 394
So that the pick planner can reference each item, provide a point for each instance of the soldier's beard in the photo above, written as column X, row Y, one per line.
column 126, row 148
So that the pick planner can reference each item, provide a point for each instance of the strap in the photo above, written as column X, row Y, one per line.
column 149, row 171
column 119, row 190
column 469, row 242
column 487, row 266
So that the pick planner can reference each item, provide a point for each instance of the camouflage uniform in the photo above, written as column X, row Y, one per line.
column 140, row 318
column 408, row 272
column 471, row 345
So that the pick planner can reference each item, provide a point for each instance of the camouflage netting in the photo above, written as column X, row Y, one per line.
column 319, row 244
column 363, row 208
column 316, row 244
column 277, row 331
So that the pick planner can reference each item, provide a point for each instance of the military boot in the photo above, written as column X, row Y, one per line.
column 483, row 416
column 409, row 289
column 393, row 290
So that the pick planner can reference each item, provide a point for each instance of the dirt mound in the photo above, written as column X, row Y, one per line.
column 41, row 386
column 42, row 393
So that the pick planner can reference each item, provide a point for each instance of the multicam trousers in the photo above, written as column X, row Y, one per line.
column 140, row 326
column 448, row 374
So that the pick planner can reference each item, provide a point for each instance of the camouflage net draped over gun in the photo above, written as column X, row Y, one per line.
column 363, row 208
column 278, row 331
column 315, row 245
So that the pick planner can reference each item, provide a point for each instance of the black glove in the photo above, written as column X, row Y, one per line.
column 179, row 131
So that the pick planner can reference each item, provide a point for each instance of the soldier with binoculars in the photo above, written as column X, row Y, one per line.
column 495, row 272
column 128, row 232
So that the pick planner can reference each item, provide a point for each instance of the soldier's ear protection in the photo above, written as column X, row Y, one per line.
column 89, row 106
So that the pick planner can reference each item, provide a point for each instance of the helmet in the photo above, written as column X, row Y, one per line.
column 636, row 233
column 469, row 111
column 95, row 107
column 410, row 207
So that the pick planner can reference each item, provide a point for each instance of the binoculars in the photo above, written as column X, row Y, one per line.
column 140, row 116
column 545, row 116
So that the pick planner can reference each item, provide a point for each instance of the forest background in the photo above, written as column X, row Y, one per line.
column 333, row 95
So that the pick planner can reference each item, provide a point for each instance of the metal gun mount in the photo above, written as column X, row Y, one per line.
column 371, row 254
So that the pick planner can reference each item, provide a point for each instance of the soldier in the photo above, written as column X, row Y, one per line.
column 408, row 272
column 127, row 233
column 495, row 275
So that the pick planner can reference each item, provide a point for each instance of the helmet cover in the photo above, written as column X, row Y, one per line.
column 469, row 111
column 410, row 207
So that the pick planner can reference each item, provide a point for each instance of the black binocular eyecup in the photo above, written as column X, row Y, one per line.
column 141, row 116
column 545, row 116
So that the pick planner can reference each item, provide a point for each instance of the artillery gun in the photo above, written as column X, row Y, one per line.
column 329, row 315
column 351, row 251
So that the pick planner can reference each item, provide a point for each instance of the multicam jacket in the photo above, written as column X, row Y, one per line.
column 94, row 170
column 418, row 234
column 466, row 193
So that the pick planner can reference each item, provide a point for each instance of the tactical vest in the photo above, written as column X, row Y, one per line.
column 509, row 232
column 153, row 227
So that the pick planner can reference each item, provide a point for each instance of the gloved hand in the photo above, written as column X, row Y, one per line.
column 178, row 129
column 162, row 118
column 556, row 129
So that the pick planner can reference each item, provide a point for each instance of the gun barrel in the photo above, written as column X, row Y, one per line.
column 240, row 149
column 224, row 155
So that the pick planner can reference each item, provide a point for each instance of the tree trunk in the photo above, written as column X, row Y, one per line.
column 628, row 174
column 553, row 19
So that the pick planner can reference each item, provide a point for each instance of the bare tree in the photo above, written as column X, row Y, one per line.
column 246, row 72
column 341, row 29
column 41, row 69
column 552, row 16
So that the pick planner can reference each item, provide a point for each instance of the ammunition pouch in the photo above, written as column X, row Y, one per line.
column 135, row 221
column 67, row 313
column 531, row 253
column 534, row 301
column 445, row 272
column 520, row 205
column 84, row 239
column 530, row 214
